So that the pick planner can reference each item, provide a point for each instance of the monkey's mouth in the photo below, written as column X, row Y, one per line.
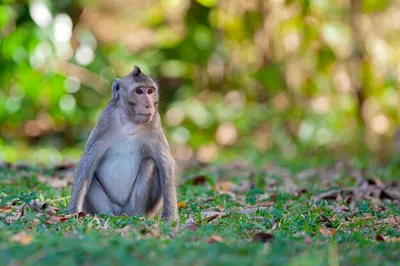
column 145, row 114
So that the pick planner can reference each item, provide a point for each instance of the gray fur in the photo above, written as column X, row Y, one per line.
column 126, row 173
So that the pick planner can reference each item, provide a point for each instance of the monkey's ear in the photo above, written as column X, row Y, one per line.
column 115, row 88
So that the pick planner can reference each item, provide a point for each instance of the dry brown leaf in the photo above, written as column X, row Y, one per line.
column 394, row 239
column 344, row 208
column 393, row 221
column 51, row 212
column 329, row 195
column 56, row 219
column 251, row 210
column 262, row 237
column 220, row 208
column 37, row 206
column 224, row 186
column 16, row 216
column 327, row 232
column 190, row 226
column 207, row 215
column 379, row 238
column 324, row 220
column 80, row 215
column 182, row 205
column 273, row 197
column 22, row 238
column 215, row 238
column 5, row 209
column 198, row 180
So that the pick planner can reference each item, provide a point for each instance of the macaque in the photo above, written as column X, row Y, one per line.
column 127, row 167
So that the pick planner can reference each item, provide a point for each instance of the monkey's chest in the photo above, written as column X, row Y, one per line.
column 118, row 170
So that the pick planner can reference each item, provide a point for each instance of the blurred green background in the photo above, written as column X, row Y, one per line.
column 252, row 76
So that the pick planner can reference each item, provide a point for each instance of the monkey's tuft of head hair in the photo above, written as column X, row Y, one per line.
column 136, row 71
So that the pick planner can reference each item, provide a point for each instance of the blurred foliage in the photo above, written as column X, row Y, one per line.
column 291, row 76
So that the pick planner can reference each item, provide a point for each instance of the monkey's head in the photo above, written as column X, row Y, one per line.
column 138, row 96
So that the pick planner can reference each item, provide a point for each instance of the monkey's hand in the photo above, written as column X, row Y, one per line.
column 170, row 204
column 170, row 216
column 72, row 209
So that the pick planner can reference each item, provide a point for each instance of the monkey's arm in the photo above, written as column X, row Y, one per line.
column 166, row 172
column 94, row 151
column 168, row 186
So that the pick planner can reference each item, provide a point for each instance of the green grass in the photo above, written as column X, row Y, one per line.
column 286, row 191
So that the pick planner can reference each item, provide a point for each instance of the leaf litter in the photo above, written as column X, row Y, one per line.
column 271, row 181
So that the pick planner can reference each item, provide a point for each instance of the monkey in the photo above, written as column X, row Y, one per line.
column 127, row 167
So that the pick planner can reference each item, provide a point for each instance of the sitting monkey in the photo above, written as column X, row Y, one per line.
column 127, row 166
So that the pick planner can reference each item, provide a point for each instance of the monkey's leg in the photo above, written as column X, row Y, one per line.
column 146, row 193
column 97, row 201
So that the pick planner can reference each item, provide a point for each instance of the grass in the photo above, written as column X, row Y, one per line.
column 268, row 214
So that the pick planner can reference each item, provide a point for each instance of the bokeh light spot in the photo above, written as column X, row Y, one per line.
column 40, row 14
column 84, row 55
column 67, row 102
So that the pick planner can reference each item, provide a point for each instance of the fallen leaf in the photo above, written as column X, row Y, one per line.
column 56, row 219
column 343, row 208
column 215, row 238
column 393, row 221
column 22, row 238
column 190, row 226
column 182, row 205
column 211, row 215
column 394, row 239
column 220, row 208
column 273, row 197
column 329, row 195
column 37, row 206
column 224, row 186
column 80, row 214
column 324, row 220
column 262, row 237
column 5, row 209
column 379, row 238
column 16, row 216
column 327, row 232
column 251, row 210
column 198, row 180
column 211, row 218
column 51, row 212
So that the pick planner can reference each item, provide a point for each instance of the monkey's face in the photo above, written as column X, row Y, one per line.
column 143, row 102
column 138, row 95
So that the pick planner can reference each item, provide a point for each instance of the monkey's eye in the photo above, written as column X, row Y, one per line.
column 139, row 91
column 149, row 91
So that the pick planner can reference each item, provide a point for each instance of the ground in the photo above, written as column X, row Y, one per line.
column 298, row 212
